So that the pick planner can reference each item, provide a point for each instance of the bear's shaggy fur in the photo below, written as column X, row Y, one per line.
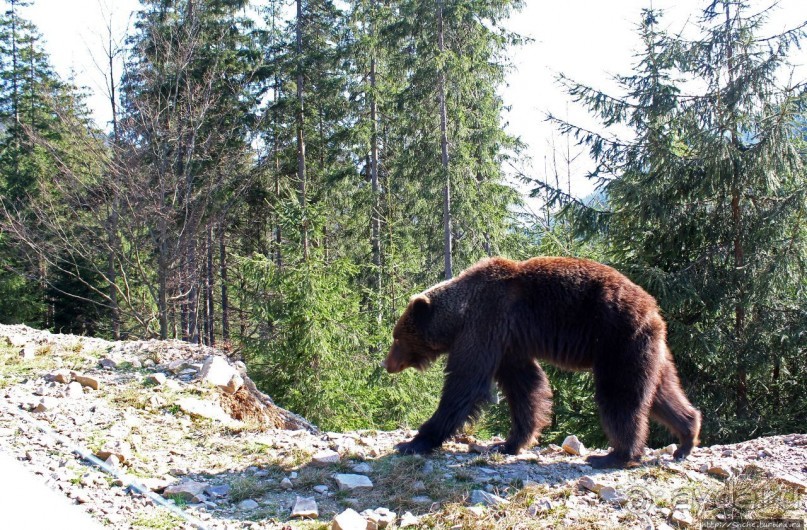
column 499, row 317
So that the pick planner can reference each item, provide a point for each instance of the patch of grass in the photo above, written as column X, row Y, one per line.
column 179, row 501
column 292, row 458
column 157, row 520
column 750, row 497
column 130, row 397
column 309, row 477
column 243, row 488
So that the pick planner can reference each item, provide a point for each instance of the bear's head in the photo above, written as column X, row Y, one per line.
column 413, row 344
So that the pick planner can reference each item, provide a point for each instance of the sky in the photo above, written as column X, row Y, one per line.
column 588, row 40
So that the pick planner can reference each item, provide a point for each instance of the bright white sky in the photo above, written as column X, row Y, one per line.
column 588, row 40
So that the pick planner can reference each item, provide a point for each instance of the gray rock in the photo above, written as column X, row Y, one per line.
column 486, row 499
column 540, row 506
column 286, row 484
column 362, row 467
column 189, row 491
column 682, row 519
column 305, row 507
column 248, row 504
column 350, row 482
column 349, row 520
column 108, row 364
column 221, row 490
column 321, row 488
column 325, row 457
column 422, row 499
column 609, row 494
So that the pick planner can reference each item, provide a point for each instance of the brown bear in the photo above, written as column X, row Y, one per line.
column 497, row 318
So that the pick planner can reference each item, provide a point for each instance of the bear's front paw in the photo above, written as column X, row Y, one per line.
column 504, row 448
column 416, row 446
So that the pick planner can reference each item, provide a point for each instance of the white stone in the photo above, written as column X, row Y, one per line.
column 218, row 372
column 46, row 404
column 325, row 457
column 350, row 482
column 205, row 409
column 380, row 517
column 349, row 520
column 74, row 390
column 609, row 494
column 157, row 379
column 320, row 488
column 305, row 507
column 408, row 520
column 573, row 446
column 682, row 518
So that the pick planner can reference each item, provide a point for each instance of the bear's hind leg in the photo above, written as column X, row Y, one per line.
column 529, row 397
column 624, row 387
column 672, row 409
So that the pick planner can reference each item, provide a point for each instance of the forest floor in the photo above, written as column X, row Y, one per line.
column 187, row 441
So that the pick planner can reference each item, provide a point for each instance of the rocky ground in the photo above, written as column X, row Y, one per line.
column 166, row 435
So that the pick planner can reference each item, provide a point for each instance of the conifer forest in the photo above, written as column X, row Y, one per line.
column 278, row 178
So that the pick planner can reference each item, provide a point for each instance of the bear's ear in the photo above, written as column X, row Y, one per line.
column 420, row 308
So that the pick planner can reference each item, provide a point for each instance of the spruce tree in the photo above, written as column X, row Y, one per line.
column 704, row 207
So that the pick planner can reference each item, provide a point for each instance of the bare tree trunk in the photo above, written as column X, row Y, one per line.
column 225, row 302
column 162, row 282
column 441, row 92
column 209, row 283
column 114, row 214
column 301, row 175
column 193, row 292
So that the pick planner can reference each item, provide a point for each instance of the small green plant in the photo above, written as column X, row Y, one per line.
column 159, row 520
column 179, row 500
column 242, row 488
